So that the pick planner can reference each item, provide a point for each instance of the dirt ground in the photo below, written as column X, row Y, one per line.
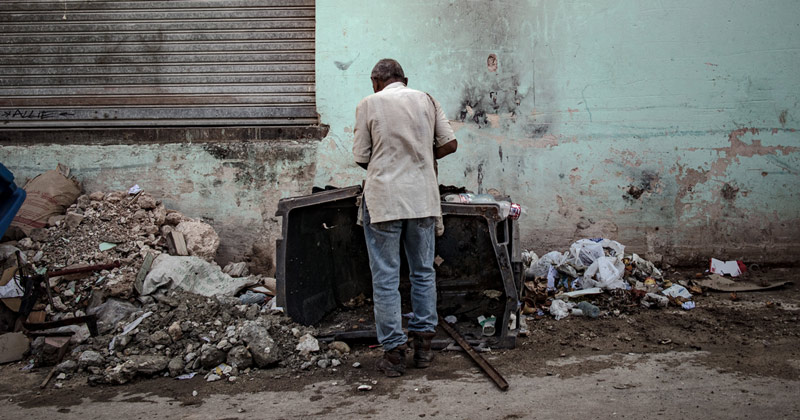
column 725, row 346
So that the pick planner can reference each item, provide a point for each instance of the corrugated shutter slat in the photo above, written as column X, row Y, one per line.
column 156, row 63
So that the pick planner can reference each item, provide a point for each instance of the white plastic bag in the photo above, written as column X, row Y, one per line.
column 560, row 309
column 541, row 267
column 606, row 273
column 584, row 252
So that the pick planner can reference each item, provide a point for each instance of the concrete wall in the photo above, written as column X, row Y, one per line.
column 669, row 126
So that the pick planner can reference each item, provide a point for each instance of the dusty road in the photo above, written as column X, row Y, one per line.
column 725, row 359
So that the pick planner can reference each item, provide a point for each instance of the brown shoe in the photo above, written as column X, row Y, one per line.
column 423, row 355
column 393, row 362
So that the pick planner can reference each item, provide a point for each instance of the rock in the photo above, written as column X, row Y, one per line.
column 110, row 313
column 90, row 358
column 159, row 215
column 323, row 363
column 261, row 345
column 73, row 220
column 335, row 363
column 339, row 346
column 238, row 269
column 192, row 274
column 211, row 356
column 120, row 374
column 146, row 201
column 213, row 377
column 97, row 196
column 252, row 312
column 223, row 345
column 149, row 364
column 56, row 220
column 240, row 358
column 61, row 376
column 67, row 366
column 173, row 218
column 175, row 331
column 58, row 305
column 307, row 344
column 39, row 234
column 201, row 239
column 357, row 365
column 189, row 357
column 175, row 366
column 26, row 243
column 365, row 388
column 161, row 337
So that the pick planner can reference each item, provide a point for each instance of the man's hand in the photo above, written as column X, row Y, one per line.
column 448, row 148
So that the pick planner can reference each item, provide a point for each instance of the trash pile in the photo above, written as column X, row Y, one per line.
column 116, row 285
column 559, row 283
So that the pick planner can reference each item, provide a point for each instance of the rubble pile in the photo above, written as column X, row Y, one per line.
column 599, row 270
column 159, row 310
column 178, row 333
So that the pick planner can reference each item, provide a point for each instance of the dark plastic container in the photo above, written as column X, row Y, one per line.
column 322, row 262
column 11, row 198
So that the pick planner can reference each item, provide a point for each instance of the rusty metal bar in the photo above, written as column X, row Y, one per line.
column 86, row 269
column 490, row 371
column 90, row 320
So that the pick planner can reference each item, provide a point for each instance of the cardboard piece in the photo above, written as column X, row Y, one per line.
column 723, row 284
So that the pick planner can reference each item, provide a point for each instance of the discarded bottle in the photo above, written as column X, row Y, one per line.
column 589, row 310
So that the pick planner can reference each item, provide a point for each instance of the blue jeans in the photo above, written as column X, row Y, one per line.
column 383, row 245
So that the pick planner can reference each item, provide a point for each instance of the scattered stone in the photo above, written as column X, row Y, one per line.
column 261, row 345
column 335, row 363
column 201, row 239
column 307, row 344
column 90, row 358
column 240, row 358
column 67, row 366
column 238, row 269
column 323, row 363
column 357, row 365
column 146, row 201
column 175, row 331
column 210, row 356
column 97, row 196
column 73, row 220
column 175, row 366
column 213, row 377
column 149, row 364
column 339, row 346
column 61, row 376
column 365, row 388
column 120, row 374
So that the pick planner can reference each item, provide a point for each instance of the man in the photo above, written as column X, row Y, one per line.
column 399, row 133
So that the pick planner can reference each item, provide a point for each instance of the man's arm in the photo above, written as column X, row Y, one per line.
column 362, row 139
column 446, row 149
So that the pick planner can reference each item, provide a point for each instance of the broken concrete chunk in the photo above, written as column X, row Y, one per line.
column 161, row 337
column 307, row 344
column 175, row 331
column 97, row 196
column 240, row 358
column 193, row 275
column 238, row 269
column 120, row 374
column 201, row 239
column 339, row 346
column 173, row 218
column 210, row 356
column 175, row 366
column 146, row 201
column 149, row 364
column 67, row 366
column 90, row 358
column 261, row 345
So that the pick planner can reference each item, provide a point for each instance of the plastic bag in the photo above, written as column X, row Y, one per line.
column 584, row 252
column 606, row 273
column 560, row 309
column 541, row 267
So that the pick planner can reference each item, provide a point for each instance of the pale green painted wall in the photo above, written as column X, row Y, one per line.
column 677, row 98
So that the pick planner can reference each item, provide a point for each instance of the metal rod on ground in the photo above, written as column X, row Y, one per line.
column 86, row 269
column 487, row 368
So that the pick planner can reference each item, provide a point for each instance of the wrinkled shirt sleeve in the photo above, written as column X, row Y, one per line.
column 362, row 143
column 442, row 131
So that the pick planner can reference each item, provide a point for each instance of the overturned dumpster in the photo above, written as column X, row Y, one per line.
column 322, row 264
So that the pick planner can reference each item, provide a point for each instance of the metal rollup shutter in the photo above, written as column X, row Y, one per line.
column 73, row 63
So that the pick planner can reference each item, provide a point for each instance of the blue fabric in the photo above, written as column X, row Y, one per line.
column 418, row 237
